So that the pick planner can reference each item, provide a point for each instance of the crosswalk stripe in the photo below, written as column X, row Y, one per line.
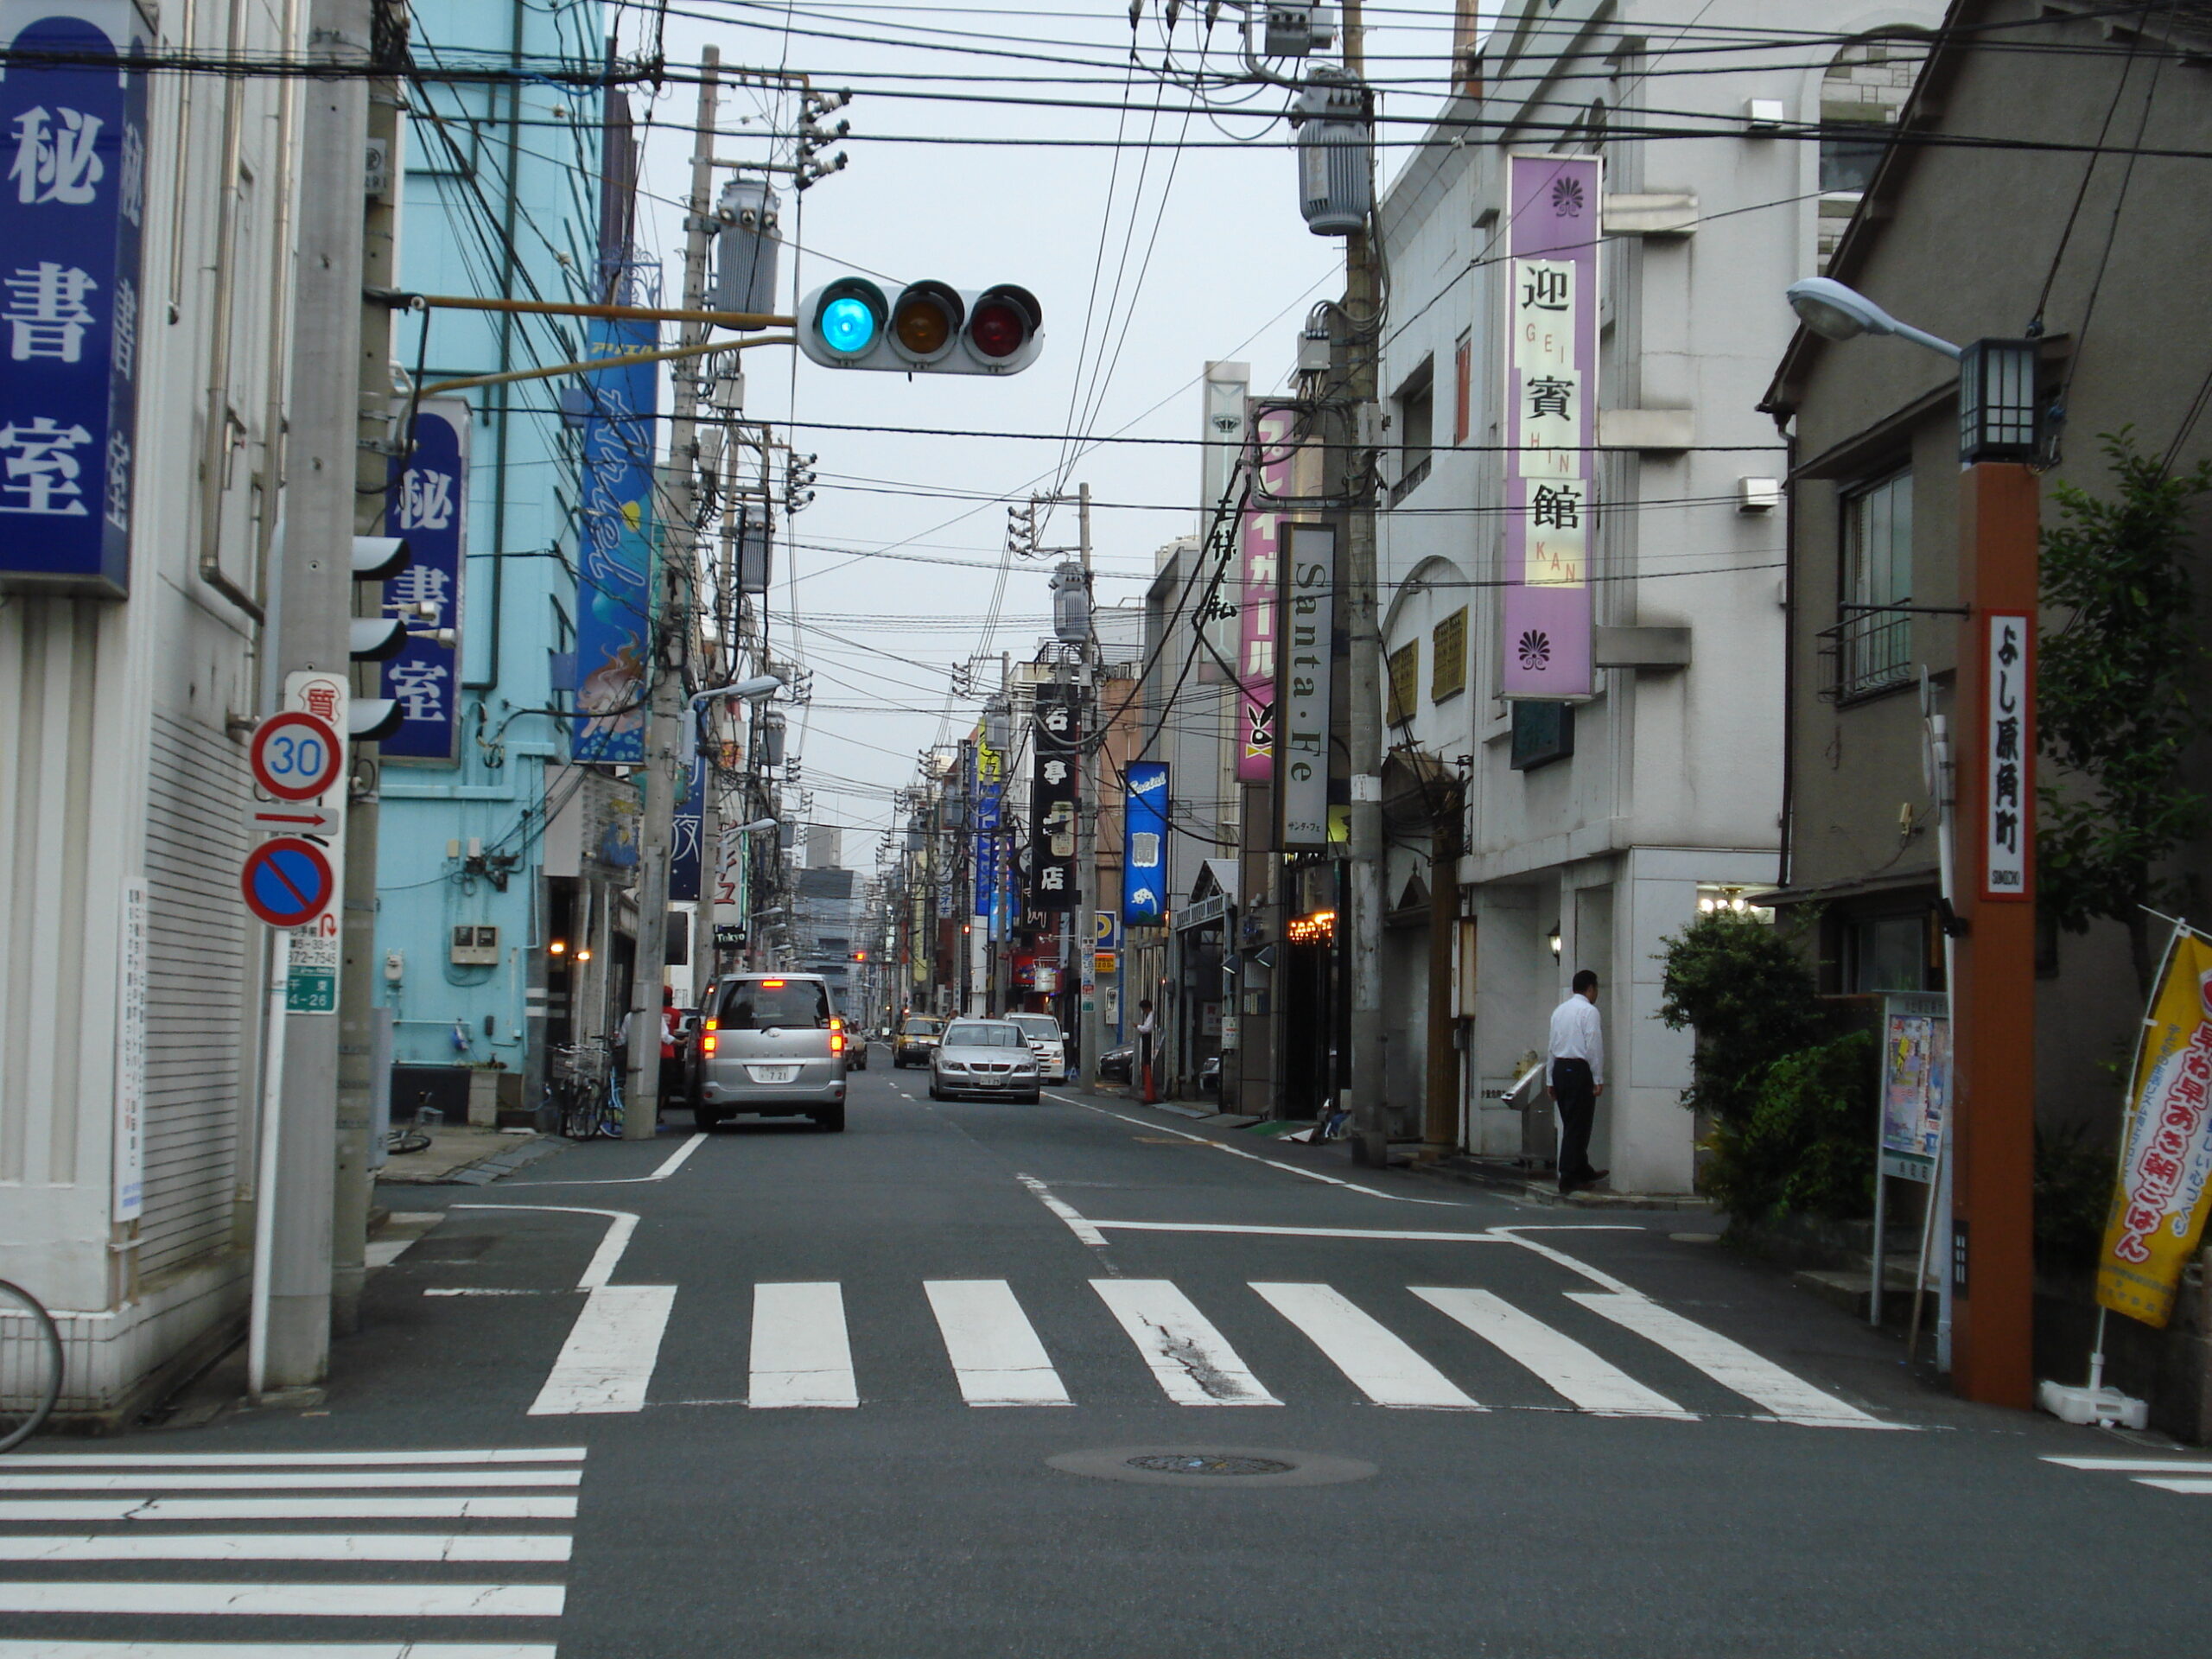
column 1564, row 1365
column 276, row 1459
column 44, row 1649
column 52, row 1511
column 289, row 1547
column 13, row 1481
column 2138, row 1465
column 801, row 1354
column 1380, row 1363
column 325, row 1600
column 608, row 1359
column 995, row 1350
column 2171, row 1485
column 1192, row 1360
column 1728, row 1362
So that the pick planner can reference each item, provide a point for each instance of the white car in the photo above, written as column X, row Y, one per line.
column 1046, row 1043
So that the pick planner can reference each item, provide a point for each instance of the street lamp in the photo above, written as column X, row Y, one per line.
column 761, row 685
column 1991, row 1136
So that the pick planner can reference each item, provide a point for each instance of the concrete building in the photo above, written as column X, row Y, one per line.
column 1552, row 836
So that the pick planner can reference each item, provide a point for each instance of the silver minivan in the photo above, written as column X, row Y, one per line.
column 772, row 1044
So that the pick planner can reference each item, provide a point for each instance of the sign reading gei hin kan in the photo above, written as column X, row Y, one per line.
column 1551, row 416
column 73, row 208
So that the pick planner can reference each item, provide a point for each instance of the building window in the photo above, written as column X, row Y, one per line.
column 1405, row 681
column 1416, row 418
column 1448, row 657
column 1542, row 732
column 1889, row 953
column 1872, row 647
column 1463, row 388
column 1862, row 95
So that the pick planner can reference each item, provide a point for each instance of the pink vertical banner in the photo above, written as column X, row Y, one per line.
column 1272, row 428
column 1551, row 402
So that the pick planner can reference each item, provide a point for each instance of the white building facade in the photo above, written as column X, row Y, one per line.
column 1582, row 835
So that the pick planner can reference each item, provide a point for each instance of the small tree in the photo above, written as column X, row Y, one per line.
column 1743, row 986
column 2114, row 697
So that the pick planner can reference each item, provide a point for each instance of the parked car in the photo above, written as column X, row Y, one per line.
column 772, row 1044
column 1046, row 1043
column 1118, row 1065
column 916, row 1041
column 856, row 1050
column 988, row 1058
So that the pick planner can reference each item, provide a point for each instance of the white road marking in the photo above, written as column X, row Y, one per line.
column 673, row 1162
column 607, row 1257
column 1728, row 1362
column 325, row 1600
column 1572, row 1264
column 1565, row 1366
column 52, row 1511
column 13, row 1481
column 291, row 1546
column 2196, row 1488
column 478, row 1290
column 608, row 1359
column 801, row 1354
column 1192, row 1360
column 1083, row 1230
column 1298, row 1232
column 1380, row 1363
column 383, row 1252
column 44, row 1649
column 994, row 1350
column 2138, row 1465
column 270, row 1460
column 1271, row 1163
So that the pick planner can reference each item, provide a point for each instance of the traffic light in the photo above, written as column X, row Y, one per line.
column 930, row 329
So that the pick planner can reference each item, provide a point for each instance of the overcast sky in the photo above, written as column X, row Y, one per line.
column 1199, row 254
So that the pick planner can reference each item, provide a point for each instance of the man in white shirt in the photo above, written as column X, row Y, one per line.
column 1576, row 1059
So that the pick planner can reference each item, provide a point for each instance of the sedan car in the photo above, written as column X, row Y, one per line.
column 916, row 1041
column 1046, row 1043
column 985, row 1059
column 1116, row 1064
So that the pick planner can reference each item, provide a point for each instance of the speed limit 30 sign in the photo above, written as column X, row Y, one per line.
column 295, row 756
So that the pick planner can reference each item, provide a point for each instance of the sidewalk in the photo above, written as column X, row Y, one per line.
column 467, row 1157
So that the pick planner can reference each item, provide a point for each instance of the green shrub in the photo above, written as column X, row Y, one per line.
column 2073, row 1186
column 1807, row 1145
column 1743, row 986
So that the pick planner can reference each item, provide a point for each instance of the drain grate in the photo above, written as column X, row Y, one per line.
column 1209, row 1462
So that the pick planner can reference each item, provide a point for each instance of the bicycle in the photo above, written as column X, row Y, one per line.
column 586, row 1092
column 31, row 1365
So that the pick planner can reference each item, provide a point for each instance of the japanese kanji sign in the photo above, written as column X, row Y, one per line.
column 72, row 209
column 1260, row 570
column 2008, row 825
column 990, row 800
column 684, row 849
column 2158, row 1205
column 612, row 596
column 1058, row 742
column 428, row 506
column 1551, row 414
column 1144, row 858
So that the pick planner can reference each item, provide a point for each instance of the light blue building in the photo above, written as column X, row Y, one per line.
column 508, row 193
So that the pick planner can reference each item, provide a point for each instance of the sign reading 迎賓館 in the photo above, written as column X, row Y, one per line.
column 73, row 208
column 1551, row 414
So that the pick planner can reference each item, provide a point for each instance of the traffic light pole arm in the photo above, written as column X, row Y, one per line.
column 564, row 308
column 588, row 364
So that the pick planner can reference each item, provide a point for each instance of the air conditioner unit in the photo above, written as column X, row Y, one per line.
column 475, row 946
column 1758, row 494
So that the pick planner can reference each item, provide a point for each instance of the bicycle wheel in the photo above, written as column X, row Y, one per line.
column 31, row 1365
column 578, row 1115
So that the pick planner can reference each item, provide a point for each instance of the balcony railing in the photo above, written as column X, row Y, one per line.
column 1870, row 651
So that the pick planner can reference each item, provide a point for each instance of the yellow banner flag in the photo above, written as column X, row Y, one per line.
column 2158, row 1205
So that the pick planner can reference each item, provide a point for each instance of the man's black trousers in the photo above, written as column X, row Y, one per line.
column 1576, row 1093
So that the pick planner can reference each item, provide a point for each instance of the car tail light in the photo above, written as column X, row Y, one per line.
column 771, row 984
column 837, row 1041
column 708, row 1043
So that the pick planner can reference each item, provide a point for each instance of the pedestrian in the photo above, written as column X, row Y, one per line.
column 1577, row 1078
column 1146, row 1027
column 671, row 1026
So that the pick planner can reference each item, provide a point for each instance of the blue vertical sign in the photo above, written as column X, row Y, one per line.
column 684, row 834
column 614, row 585
column 428, row 506
column 1144, row 859
column 990, row 795
column 73, row 208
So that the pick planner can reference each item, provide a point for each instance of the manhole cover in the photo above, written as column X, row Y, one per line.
column 1243, row 1467
column 1201, row 1463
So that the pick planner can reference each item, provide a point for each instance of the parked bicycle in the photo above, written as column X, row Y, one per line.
column 585, row 1092
column 31, row 1365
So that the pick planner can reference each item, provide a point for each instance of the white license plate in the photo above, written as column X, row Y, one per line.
column 987, row 1083
column 773, row 1073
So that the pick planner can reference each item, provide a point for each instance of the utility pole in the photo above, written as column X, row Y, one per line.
column 1086, row 940
column 1370, row 1129
column 309, row 631
column 671, row 634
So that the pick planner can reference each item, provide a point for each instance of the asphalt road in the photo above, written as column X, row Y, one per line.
column 810, row 1401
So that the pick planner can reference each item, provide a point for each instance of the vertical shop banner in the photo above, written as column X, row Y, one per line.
column 990, row 797
column 72, row 210
column 1259, row 572
column 428, row 506
column 1144, row 860
column 1302, row 727
column 2158, row 1203
column 1058, row 742
column 684, row 831
column 1551, row 421
column 2008, row 759
column 614, row 589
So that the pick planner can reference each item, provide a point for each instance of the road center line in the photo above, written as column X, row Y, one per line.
column 1082, row 1229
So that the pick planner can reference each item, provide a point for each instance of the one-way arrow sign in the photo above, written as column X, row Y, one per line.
column 291, row 818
